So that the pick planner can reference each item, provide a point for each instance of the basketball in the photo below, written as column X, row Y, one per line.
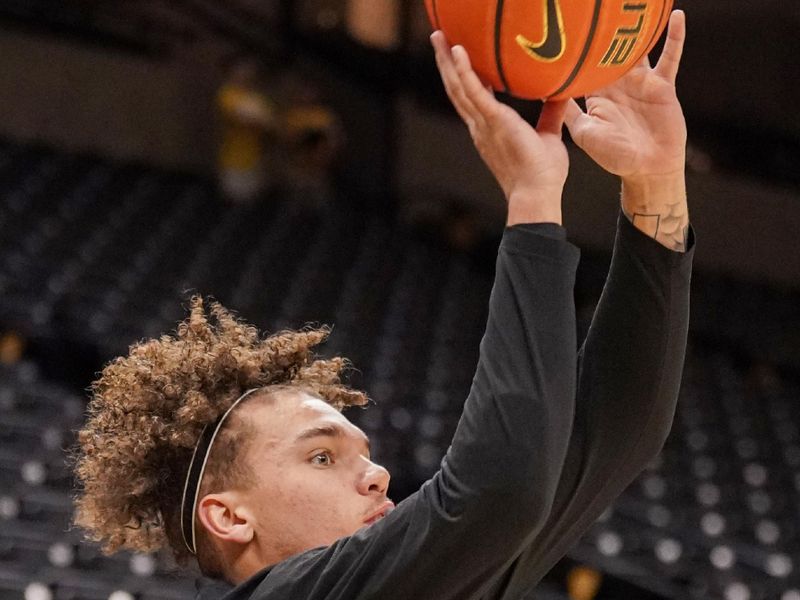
column 551, row 49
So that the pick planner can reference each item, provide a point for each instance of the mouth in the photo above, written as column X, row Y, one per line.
column 383, row 510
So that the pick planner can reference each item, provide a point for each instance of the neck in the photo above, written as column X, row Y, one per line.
column 242, row 565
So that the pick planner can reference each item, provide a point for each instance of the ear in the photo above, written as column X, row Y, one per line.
column 225, row 518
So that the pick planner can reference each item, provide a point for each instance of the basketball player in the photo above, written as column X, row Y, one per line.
column 231, row 448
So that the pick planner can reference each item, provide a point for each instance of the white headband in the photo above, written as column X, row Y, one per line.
column 194, row 476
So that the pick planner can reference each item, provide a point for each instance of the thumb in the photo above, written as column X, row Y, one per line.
column 551, row 119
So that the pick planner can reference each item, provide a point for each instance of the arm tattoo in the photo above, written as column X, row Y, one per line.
column 647, row 223
column 670, row 227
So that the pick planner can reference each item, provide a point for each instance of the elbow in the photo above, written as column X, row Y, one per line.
column 515, row 495
column 529, row 479
column 508, row 516
column 527, row 492
column 658, row 431
column 654, row 444
column 647, row 450
column 507, row 468
column 532, row 509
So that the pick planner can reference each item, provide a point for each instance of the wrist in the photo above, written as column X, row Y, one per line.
column 652, row 192
column 534, row 207
column 657, row 206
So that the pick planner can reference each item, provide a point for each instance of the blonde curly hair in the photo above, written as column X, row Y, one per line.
column 149, row 408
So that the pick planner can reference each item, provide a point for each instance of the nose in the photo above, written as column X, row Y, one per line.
column 374, row 479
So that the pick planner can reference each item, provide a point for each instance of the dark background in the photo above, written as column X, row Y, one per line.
column 109, row 107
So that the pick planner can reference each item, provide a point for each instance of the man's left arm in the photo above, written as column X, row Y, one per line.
column 630, row 365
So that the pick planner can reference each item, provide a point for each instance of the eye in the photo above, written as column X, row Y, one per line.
column 323, row 459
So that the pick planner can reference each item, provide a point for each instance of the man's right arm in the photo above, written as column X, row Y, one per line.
column 497, row 481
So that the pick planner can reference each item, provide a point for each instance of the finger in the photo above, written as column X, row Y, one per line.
column 451, row 80
column 444, row 62
column 670, row 59
column 480, row 96
column 576, row 121
column 551, row 119
column 572, row 113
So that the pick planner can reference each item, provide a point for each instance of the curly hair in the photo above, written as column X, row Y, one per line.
column 149, row 408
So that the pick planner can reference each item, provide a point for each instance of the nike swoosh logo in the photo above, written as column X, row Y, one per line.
column 551, row 47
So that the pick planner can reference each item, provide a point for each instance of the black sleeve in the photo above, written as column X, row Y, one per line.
column 629, row 376
column 497, row 482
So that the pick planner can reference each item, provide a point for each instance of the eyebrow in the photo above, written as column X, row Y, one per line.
column 330, row 431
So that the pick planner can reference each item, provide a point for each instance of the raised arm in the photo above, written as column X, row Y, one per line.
column 635, row 129
column 631, row 362
column 497, row 482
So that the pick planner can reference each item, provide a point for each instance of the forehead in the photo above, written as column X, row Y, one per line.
column 294, row 413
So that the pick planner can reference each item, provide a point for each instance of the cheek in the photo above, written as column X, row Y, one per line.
column 322, row 493
column 316, row 501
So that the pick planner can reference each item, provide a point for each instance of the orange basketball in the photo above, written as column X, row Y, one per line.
column 538, row 49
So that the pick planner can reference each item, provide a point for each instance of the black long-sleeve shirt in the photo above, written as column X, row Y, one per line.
column 548, row 438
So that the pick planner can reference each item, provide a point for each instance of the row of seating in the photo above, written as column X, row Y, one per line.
column 717, row 511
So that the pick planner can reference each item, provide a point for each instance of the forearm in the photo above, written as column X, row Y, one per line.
column 632, row 359
column 628, row 379
column 498, row 479
column 658, row 208
column 519, row 413
column 629, row 374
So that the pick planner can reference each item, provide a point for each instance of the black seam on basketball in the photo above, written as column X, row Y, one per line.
column 498, row 18
column 654, row 37
column 436, row 15
column 584, row 53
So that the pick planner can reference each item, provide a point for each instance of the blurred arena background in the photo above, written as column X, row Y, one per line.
column 298, row 160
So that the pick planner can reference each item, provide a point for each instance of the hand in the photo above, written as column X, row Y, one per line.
column 530, row 164
column 635, row 127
